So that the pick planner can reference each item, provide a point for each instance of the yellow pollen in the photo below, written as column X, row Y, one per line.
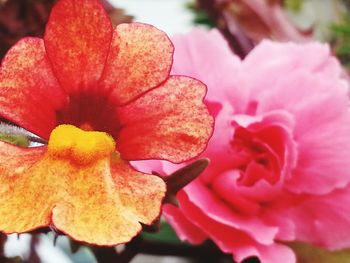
column 79, row 146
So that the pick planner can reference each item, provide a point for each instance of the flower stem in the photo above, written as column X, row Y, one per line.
column 205, row 253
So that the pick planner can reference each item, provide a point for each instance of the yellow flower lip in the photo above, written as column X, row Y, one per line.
column 79, row 146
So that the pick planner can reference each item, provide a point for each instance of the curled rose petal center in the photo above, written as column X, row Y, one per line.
column 79, row 146
column 255, row 158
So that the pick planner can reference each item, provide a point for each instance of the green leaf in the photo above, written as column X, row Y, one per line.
column 341, row 40
column 166, row 234
column 344, row 49
column 341, row 30
column 307, row 253
column 19, row 140
column 201, row 17
column 294, row 5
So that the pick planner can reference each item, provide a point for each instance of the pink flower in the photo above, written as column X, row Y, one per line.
column 280, row 153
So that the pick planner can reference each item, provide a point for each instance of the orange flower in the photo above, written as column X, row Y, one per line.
column 101, row 98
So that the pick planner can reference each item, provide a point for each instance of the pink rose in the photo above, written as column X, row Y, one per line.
column 280, row 153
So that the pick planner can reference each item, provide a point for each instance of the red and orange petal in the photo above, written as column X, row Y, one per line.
column 30, row 94
column 139, row 59
column 170, row 122
column 86, row 55
column 99, row 202
column 77, row 40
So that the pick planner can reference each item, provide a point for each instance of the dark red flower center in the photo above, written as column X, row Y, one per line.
column 90, row 111
column 259, row 154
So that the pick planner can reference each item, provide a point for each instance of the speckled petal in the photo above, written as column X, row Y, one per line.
column 104, row 206
column 25, row 188
column 140, row 59
column 77, row 39
column 101, row 202
column 28, row 86
column 170, row 122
